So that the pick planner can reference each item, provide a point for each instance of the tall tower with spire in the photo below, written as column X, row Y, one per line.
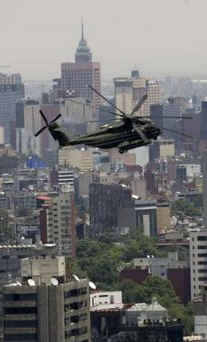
column 83, row 53
column 76, row 76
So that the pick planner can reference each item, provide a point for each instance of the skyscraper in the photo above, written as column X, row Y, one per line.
column 76, row 76
column 11, row 92
column 105, row 201
column 57, row 222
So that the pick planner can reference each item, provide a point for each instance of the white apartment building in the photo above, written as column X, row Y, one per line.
column 66, row 178
column 99, row 299
column 198, row 261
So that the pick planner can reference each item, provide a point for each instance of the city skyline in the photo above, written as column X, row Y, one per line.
column 160, row 38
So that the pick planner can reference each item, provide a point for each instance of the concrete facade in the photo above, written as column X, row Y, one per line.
column 82, row 159
column 128, row 91
column 198, row 263
column 47, row 313
column 57, row 222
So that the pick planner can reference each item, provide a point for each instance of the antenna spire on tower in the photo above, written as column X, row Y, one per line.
column 82, row 29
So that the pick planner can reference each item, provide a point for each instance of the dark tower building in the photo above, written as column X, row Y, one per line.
column 156, row 115
column 105, row 201
column 203, row 130
column 75, row 77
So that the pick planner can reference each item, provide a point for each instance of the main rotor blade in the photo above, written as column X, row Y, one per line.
column 179, row 133
column 97, row 121
column 104, row 98
column 139, row 104
column 40, row 131
column 114, row 113
column 57, row 117
column 44, row 117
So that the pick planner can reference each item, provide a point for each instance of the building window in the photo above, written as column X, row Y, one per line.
column 20, row 337
column 202, row 238
column 20, row 297
column 20, row 324
column 20, row 310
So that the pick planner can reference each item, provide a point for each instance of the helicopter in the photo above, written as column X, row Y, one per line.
column 125, row 133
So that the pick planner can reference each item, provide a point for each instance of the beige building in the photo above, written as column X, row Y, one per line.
column 126, row 158
column 128, row 91
column 163, row 217
column 138, row 187
column 2, row 138
column 42, row 269
column 33, row 122
column 167, row 148
column 49, row 310
column 123, row 94
column 76, row 110
column 32, row 118
column 82, row 159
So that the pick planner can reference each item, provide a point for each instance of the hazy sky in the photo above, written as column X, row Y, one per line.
column 158, row 36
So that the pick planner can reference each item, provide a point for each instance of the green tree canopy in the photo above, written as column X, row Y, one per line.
column 183, row 207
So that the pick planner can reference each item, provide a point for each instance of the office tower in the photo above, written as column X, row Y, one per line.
column 204, row 160
column 198, row 263
column 161, row 149
column 129, row 90
column 76, row 76
column 123, row 94
column 156, row 115
column 66, row 177
column 104, row 202
column 28, row 122
column 57, row 222
column 181, row 175
column 11, row 92
column 146, row 216
column 46, row 306
column 47, row 143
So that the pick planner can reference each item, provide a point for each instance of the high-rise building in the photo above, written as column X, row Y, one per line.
column 57, row 222
column 76, row 76
column 66, row 178
column 46, row 305
column 11, row 92
column 146, row 216
column 105, row 201
column 198, row 263
column 156, row 115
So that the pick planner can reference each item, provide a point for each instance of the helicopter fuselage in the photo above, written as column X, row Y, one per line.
column 114, row 135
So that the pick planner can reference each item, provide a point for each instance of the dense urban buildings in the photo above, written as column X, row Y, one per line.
column 134, row 223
